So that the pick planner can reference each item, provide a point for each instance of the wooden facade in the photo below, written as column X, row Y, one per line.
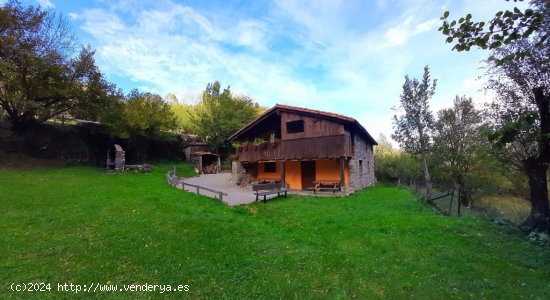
column 321, row 147
column 309, row 146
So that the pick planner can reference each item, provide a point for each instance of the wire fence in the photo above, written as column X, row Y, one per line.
column 445, row 199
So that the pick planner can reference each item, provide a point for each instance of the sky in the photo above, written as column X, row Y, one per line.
column 348, row 57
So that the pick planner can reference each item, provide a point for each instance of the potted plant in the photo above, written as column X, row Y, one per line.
column 237, row 146
column 257, row 142
column 273, row 140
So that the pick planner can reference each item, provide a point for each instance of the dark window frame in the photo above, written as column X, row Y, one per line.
column 296, row 126
column 270, row 167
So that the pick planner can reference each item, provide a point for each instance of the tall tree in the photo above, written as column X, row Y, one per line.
column 458, row 140
column 186, row 117
column 40, row 75
column 413, row 128
column 521, row 118
column 221, row 113
column 141, row 118
column 147, row 115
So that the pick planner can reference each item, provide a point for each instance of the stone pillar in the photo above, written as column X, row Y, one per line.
column 120, row 158
column 237, row 171
column 343, row 187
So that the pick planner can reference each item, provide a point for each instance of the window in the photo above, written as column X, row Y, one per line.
column 295, row 126
column 360, row 166
column 270, row 167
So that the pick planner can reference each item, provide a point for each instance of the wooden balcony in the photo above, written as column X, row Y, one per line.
column 334, row 146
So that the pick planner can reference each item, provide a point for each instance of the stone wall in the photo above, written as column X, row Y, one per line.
column 361, row 165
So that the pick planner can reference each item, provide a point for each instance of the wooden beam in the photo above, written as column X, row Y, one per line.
column 342, row 176
column 283, row 173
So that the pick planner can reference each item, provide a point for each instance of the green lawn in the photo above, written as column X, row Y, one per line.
column 78, row 225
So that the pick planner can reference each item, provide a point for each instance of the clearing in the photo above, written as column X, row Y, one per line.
column 78, row 225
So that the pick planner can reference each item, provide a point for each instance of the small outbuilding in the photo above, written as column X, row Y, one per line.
column 205, row 162
column 195, row 147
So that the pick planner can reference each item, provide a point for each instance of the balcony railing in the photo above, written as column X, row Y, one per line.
column 334, row 146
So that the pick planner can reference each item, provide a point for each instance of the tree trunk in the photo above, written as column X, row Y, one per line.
column 536, row 169
column 427, row 179
column 539, row 217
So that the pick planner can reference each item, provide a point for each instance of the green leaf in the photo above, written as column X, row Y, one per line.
column 446, row 14
column 449, row 39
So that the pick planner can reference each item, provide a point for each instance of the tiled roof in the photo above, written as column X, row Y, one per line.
column 202, row 153
column 316, row 112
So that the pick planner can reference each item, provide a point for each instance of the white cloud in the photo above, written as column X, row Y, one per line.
column 403, row 32
column 73, row 16
column 45, row 3
column 335, row 58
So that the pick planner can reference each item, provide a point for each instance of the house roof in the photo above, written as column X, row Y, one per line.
column 204, row 153
column 305, row 111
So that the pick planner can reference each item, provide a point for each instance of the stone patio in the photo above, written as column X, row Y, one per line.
column 236, row 195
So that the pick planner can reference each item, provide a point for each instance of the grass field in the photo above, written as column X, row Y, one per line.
column 78, row 225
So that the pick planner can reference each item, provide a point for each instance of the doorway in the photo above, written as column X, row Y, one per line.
column 308, row 174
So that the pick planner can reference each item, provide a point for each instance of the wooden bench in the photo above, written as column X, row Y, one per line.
column 326, row 185
column 268, row 180
column 265, row 189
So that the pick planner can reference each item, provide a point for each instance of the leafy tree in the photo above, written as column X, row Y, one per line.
column 186, row 117
column 171, row 98
column 412, row 129
column 147, row 115
column 40, row 75
column 220, row 114
column 521, row 119
column 141, row 118
column 393, row 164
column 505, row 27
column 459, row 142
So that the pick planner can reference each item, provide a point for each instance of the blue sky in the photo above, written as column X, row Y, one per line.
column 348, row 57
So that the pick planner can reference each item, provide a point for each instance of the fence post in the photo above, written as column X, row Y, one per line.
column 459, row 200
column 198, row 193
column 451, row 203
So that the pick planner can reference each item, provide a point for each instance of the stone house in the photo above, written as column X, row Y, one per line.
column 305, row 149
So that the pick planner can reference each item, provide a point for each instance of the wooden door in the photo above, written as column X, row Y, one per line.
column 308, row 174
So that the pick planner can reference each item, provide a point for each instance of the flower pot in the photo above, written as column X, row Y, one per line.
column 273, row 145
